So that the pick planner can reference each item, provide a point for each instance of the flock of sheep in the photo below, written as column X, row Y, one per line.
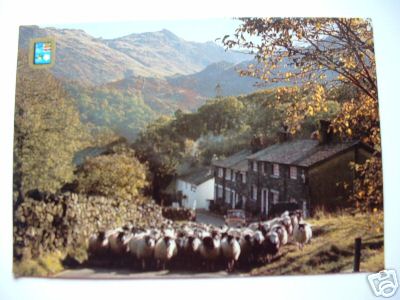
column 195, row 246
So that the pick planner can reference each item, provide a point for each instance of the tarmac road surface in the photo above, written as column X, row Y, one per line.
column 98, row 273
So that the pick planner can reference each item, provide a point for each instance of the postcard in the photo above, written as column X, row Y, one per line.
column 198, row 148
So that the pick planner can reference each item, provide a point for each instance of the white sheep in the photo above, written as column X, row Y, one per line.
column 165, row 250
column 117, row 241
column 287, row 222
column 210, row 250
column 285, row 214
column 98, row 244
column 253, row 226
column 230, row 249
column 302, row 234
column 246, row 247
column 258, row 239
column 141, row 246
column 282, row 233
column 192, row 250
column 271, row 245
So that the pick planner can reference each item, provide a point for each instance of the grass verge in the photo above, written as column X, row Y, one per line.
column 331, row 249
column 46, row 265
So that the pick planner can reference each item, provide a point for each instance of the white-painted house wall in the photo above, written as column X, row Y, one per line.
column 197, row 196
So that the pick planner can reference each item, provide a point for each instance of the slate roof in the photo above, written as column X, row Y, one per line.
column 304, row 153
column 237, row 161
column 197, row 176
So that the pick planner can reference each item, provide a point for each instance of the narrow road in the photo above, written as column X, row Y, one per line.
column 125, row 273
column 209, row 218
column 98, row 273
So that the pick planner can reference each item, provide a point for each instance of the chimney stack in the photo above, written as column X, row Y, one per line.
column 256, row 143
column 325, row 133
column 283, row 134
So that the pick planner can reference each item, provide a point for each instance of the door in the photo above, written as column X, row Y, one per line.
column 264, row 201
column 235, row 199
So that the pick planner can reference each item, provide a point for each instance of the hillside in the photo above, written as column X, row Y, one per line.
column 223, row 73
column 92, row 60
column 331, row 249
column 159, row 94
column 122, row 111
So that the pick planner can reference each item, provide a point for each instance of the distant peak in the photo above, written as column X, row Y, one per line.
column 163, row 32
column 168, row 33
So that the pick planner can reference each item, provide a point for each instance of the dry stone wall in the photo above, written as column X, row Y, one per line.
column 64, row 222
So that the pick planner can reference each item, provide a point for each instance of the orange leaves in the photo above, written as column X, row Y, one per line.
column 310, row 111
column 301, row 103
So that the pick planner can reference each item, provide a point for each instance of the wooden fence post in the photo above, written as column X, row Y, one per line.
column 357, row 254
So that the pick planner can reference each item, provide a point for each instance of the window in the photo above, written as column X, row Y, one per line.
column 255, row 166
column 293, row 172
column 219, row 191
column 228, row 174
column 227, row 195
column 193, row 188
column 265, row 166
column 303, row 176
column 220, row 172
column 233, row 176
column 275, row 170
column 275, row 196
column 244, row 177
column 254, row 192
column 292, row 200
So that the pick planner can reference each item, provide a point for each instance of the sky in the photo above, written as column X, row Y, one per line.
column 197, row 30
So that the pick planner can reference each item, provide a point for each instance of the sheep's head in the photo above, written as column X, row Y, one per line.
column 191, row 240
column 258, row 238
column 215, row 234
column 101, row 236
column 208, row 242
column 180, row 242
column 248, row 238
column 168, row 241
column 230, row 238
column 274, row 238
column 149, row 240
column 120, row 236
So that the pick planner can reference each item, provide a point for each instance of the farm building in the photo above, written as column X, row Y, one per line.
column 195, row 189
column 231, row 180
column 303, row 173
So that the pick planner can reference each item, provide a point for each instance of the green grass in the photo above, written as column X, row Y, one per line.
column 331, row 249
column 46, row 265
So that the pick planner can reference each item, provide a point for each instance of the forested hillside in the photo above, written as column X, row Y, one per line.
column 224, row 125
column 120, row 111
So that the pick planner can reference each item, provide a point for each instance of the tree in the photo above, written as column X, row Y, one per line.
column 321, row 53
column 310, row 48
column 47, row 131
column 162, row 147
column 117, row 175
column 222, row 114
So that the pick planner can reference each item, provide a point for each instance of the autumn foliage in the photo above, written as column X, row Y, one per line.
column 316, row 56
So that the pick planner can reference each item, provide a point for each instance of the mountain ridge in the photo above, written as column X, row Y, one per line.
column 80, row 56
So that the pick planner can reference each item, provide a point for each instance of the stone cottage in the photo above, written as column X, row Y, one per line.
column 303, row 173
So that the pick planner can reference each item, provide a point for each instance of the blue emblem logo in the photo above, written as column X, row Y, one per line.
column 42, row 53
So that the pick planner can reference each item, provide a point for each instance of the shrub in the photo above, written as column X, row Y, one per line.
column 118, row 175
